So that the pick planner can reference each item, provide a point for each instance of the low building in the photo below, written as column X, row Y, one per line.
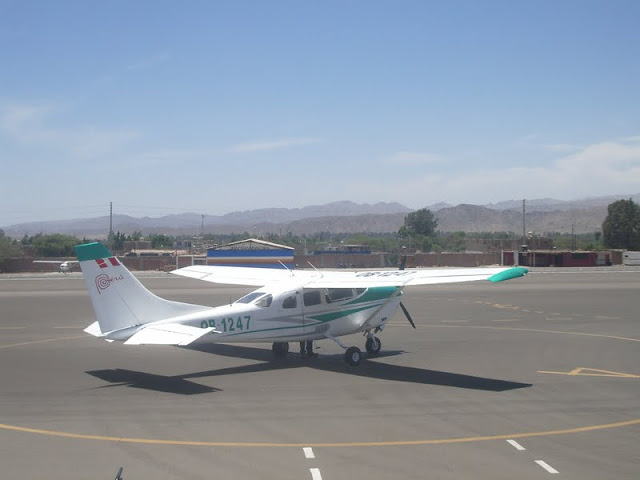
column 251, row 253
column 345, row 250
column 557, row 258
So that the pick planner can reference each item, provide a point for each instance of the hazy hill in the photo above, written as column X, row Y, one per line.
column 261, row 220
column 550, row 204
column 542, row 215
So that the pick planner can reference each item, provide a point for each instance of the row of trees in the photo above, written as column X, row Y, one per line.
column 621, row 229
column 158, row 240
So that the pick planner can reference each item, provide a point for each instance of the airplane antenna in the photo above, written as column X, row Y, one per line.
column 288, row 269
column 312, row 266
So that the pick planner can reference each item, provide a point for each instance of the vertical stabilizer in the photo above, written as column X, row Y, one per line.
column 119, row 300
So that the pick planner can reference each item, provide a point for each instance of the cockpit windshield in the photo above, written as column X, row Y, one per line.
column 261, row 299
column 250, row 297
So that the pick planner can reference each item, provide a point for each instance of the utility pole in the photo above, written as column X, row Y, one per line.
column 524, row 225
column 110, row 236
column 110, row 219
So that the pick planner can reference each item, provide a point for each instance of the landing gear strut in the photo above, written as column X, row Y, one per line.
column 280, row 349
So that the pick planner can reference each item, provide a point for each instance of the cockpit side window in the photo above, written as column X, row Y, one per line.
column 290, row 302
column 265, row 301
column 312, row 297
column 338, row 294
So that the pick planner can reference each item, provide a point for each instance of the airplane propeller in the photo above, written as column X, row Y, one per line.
column 406, row 314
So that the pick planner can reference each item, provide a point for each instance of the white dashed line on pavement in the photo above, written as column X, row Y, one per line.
column 546, row 466
column 315, row 474
column 515, row 445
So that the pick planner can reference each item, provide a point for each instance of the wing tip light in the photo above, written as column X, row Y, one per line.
column 508, row 274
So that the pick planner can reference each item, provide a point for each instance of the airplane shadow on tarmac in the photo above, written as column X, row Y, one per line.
column 181, row 384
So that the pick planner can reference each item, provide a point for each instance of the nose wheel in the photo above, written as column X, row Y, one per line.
column 373, row 345
column 353, row 355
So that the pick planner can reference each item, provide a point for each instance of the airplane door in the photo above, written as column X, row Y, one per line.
column 290, row 311
column 311, row 304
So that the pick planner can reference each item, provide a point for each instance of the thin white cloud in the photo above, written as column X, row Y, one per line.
column 407, row 158
column 561, row 147
column 264, row 146
column 533, row 140
column 31, row 125
column 165, row 157
column 149, row 62
column 606, row 168
column 21, row 122
column 528, row 138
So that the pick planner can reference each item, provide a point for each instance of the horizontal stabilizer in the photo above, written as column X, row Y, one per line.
column 168, row 334
column 94, row 329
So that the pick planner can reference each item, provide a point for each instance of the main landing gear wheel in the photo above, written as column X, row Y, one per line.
column 373, row 345
column 280, row 349
column 353, row 356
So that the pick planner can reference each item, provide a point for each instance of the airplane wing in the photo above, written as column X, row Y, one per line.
column 55, row 261
column 343, row 279
column 406, row 278
column 250, row 276
column 168, row 334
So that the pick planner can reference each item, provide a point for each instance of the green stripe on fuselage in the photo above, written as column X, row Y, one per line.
column 373, row 294
column 328, row 317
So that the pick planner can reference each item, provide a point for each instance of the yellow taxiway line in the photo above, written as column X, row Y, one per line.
column 443, row 441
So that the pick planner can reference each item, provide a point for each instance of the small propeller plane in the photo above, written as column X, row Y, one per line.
column 64, row 266
column 288, row 306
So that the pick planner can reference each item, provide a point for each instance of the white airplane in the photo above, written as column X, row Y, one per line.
column 289, row 306
column 64, row 266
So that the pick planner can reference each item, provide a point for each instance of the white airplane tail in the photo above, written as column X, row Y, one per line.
column 119, row 300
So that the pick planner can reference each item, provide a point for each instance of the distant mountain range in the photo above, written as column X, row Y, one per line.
column 542, row 215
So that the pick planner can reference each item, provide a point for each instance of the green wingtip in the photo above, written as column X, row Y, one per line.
column 91, row 251
column 514, row 272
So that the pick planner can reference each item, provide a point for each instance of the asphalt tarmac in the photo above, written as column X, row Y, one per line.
column 520, row 379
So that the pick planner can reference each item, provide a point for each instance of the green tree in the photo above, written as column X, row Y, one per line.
column 117, row 241
column 621, row 228
column 8, row 249
column 160, row 240
column 420, row 222
column 451, row 242
column 418, row 229
column 54, row 245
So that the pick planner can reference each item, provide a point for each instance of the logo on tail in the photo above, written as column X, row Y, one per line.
column 102, row 282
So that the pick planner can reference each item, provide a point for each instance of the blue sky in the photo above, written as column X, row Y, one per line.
column 213, row 107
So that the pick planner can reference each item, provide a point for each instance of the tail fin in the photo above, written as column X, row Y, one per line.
column 119, row 300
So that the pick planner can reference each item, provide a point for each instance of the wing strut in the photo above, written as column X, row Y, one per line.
column 406, row 314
